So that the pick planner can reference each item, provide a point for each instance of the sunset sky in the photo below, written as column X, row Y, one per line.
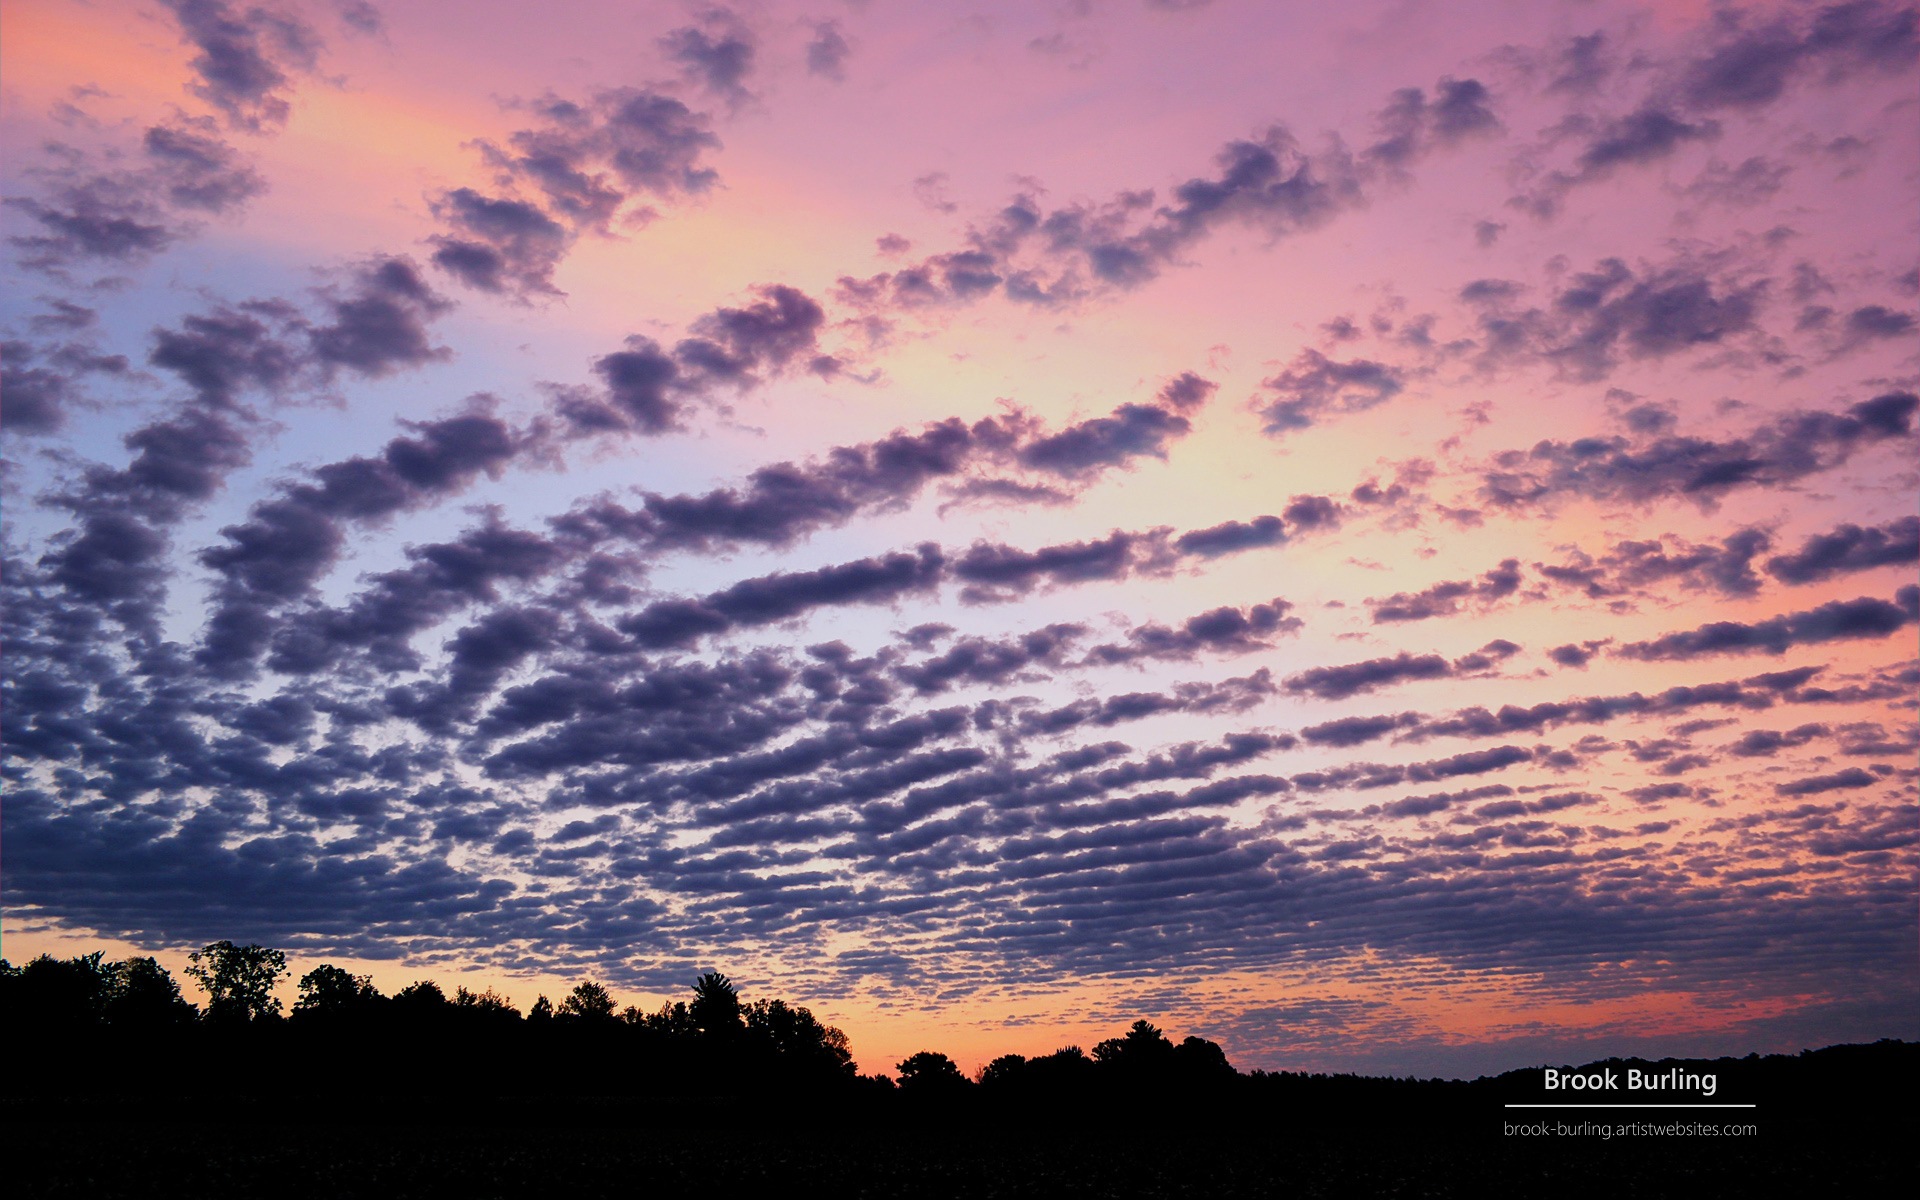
column 1381, row 534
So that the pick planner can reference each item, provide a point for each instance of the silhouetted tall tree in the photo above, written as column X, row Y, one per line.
column 931, row 1075
column 142, row 995
column 1201, row 1060
column 239, row 980
column 328, row 991
column 588, row 1002
column 798, row 1041
column 421, row 999
column 486, row 1014
column 674, row 1021
column 716, row 1005
column 1007, row 1071
column 54, row 994
column 135, row 993
column 1144, row 1050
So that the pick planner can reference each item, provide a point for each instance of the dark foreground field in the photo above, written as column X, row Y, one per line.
column 633, row 1150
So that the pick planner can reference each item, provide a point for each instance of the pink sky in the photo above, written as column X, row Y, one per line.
column 1384, row 537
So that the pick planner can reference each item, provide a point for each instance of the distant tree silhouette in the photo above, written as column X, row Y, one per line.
column 673, row 1022
column 716, row 1005
column 239, row 980
column 1009, row 1070
column 588, row 1002
column 82, row 1024
column 328, row 991
column 1203, row 1061
column 1066, row 1058
column 99, row 1017
column 487, row 1018
column 421, row 999
column 1067, row 1076
column 142, row 994
column 1144, row 1050
column 799, row 1043
column 55, row 994
column 88, row 1030
column 931, row 1074
column 488, row 1002
column 1144, row 1059
column 135, row 993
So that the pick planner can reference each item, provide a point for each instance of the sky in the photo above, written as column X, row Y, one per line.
column 1383, row 535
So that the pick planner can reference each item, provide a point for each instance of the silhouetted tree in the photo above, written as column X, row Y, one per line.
column 1203, row 1061
column 1065, row 1074
column 1068, row 1057
column 930, row 1074
column 135, row 993
column 588, row 1002
column 142, row 995
column 421, row 1000
column 487, row 1015
column 489, row 1002
column 799, row 1042
column 329, row 991
column 239, row 980
column 102, row 1014
column 82, row 1024
column 674, row 1021
column 1007, row 1071
column 716, row 1005
column 1144, row 1050
column 59, row 993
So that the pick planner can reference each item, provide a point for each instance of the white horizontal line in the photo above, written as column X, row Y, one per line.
column 1630, row 1106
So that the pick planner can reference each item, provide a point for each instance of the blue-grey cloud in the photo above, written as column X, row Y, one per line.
column 246, row 59
column 1840, row 620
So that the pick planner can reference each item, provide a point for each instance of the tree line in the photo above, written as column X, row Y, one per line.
column 125, row 1025
column 86, row 1029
